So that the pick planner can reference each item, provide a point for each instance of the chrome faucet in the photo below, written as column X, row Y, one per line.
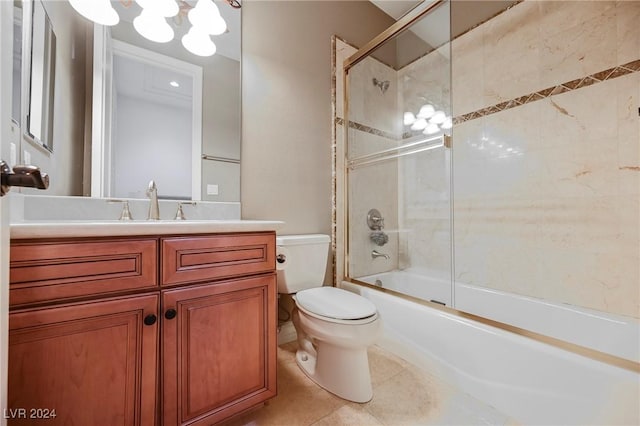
column 180, row 213
column 154, row 209
column 375, row 254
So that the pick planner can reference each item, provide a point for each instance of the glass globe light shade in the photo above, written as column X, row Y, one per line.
column 447, row 124
column 409, row 118
column 206, row 17
column 153, row 27
column 431, row 129
column 426, row 111
column 198, row 42
column 438, row 117
column 101, row 12
column 420, row 124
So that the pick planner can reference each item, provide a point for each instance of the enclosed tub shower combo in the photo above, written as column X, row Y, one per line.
column 486, row 201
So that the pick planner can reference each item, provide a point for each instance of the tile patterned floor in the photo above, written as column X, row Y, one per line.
column 402, row 395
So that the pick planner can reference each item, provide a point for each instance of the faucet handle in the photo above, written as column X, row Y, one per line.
column 126, row 213
column 180, row 213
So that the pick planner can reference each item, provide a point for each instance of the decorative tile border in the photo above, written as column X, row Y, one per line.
column 367, row 129
column 578, row 83
column 569, row 86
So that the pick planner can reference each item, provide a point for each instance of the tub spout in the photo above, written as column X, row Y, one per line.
column 375, row 254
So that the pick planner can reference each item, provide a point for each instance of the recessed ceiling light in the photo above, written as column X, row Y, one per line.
column 174, row 83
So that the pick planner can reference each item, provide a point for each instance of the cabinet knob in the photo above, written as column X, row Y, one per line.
column 150, row 319
column 170, row 314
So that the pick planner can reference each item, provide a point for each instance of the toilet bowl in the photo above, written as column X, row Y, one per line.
column 334, row 326
column 333, row 351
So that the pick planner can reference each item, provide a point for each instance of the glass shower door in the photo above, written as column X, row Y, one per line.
column 398, row 163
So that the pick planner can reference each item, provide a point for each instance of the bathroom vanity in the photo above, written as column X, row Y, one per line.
column 156, row 323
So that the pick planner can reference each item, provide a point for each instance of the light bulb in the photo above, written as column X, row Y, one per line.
column 426, row 111
column 431, row 129
column 101, row 12
column 438, row 117
column 153, row 27
column 420, row 124
column 409, row 118
column 198, row 42
column 447, row 124
column 166, row 8
column 206, row 17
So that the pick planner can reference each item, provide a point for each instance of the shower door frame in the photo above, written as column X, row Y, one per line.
column 414, row 15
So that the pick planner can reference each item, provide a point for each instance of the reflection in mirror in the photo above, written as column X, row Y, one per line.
column 156, row 117
column 192, row 148
column 17, row 63
column 39, row 117
column 84, row 129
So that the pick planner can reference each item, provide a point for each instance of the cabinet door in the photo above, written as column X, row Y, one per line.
column 219, row 349
column 94, row 363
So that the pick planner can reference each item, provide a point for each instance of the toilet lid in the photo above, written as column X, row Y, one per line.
column 335, row 303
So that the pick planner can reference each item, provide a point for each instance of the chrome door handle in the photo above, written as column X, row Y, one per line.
column 25, row 176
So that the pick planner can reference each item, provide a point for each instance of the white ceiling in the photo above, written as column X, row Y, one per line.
column 150, row 83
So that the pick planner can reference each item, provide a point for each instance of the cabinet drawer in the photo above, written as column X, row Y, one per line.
column 204, row 258
column 47, row 271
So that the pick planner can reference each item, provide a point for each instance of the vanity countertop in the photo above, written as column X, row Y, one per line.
column 87, row 228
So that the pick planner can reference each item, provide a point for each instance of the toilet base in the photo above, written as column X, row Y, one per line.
column 335, row 364
column 343, row 372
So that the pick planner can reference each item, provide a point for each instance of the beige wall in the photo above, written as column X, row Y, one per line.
column 286, row 104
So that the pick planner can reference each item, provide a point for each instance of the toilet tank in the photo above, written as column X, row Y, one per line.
column 301, row 261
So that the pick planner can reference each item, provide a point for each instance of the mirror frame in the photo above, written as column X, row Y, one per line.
column 26, row 104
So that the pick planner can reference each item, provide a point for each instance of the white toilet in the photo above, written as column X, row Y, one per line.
column 334, row 326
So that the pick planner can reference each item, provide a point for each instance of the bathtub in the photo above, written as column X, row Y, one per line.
column 413, row 283
column 535, row 383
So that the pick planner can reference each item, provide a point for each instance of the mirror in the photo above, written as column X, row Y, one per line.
column 94, row 78
column 39, row 64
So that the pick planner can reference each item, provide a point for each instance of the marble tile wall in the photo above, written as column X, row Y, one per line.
column 374, row 126
column 547, row 192
column 424, row 183
column 546, row 156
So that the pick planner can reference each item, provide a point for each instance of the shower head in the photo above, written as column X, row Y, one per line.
column 383, row 85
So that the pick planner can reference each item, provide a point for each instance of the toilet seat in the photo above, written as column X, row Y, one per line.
column 336, row 305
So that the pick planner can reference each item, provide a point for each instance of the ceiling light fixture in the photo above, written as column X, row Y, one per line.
column 204, row 17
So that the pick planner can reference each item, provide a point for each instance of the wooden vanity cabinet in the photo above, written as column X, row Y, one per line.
column 89, row 363
column 115, row 341
column 218, row 357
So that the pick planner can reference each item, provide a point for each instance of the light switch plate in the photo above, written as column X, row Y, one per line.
column 212, row 190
